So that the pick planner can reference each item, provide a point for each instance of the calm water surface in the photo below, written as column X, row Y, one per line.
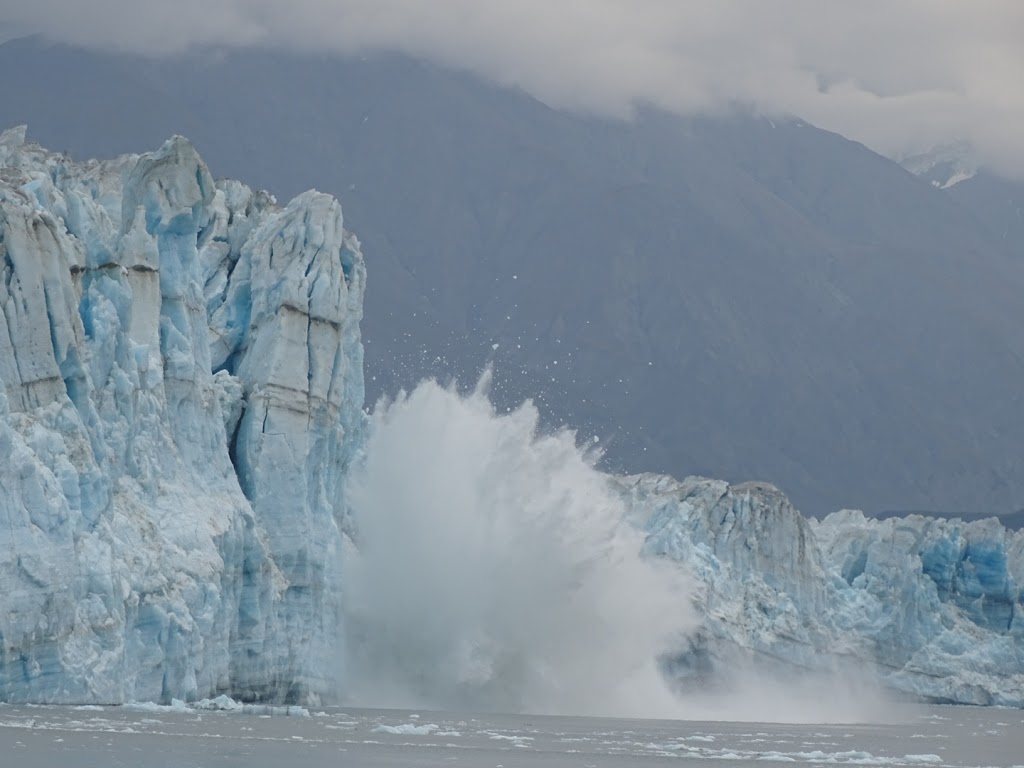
column 55, row 737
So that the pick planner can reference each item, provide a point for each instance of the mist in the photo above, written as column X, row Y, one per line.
column 837, row 692
column 899, row 75
column 494, row 570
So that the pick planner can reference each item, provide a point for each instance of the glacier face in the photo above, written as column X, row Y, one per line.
column 930, row 606
column 181, row 400
column 181, row 375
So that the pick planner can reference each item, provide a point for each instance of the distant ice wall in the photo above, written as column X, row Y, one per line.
column 931, row 606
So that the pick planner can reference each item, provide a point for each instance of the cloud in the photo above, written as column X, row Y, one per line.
column 899, row 75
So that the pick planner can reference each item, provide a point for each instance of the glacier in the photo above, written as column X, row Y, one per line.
column 182, row 425
column 182, row 391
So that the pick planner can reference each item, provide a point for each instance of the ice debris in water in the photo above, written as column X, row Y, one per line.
column 408, row 729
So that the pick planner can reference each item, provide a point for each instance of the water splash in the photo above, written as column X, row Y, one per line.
column 495, row 571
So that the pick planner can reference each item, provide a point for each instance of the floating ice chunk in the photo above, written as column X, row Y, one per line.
column 408, row 729
column 222, row 703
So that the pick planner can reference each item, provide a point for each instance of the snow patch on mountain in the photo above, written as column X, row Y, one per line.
column 946, row 165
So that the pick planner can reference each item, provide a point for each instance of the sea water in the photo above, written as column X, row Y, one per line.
column 151, row 737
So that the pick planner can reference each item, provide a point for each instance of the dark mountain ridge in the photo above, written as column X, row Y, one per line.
column 738, row 297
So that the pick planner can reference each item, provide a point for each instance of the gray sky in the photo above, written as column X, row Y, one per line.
column 899, row 75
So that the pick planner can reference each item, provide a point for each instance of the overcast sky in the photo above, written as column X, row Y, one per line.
column 899, row 75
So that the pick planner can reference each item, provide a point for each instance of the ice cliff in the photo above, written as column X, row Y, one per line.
column 180, row 392
column 932, row 606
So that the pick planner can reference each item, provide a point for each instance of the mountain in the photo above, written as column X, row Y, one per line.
column 998, row 204
column 735, row 297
